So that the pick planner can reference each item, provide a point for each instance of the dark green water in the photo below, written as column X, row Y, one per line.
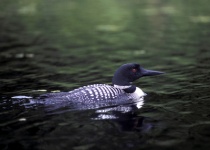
column 61, row 45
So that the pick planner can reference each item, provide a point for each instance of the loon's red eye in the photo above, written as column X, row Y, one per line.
column 134, row 70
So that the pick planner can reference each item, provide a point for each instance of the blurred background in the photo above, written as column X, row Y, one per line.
column 59, row 45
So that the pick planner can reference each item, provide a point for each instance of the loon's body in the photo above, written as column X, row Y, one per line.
column 122, row 89
column 94, row 93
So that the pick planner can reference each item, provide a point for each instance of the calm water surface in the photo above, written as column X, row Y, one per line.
column 50, row 46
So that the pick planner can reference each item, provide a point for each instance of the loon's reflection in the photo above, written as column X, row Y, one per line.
column 125, row 116
column 129, row 121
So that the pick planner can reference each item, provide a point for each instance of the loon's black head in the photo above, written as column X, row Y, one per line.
column 130, row 72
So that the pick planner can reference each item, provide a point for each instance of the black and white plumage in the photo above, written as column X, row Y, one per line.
column 91, row 94
column 100, row 95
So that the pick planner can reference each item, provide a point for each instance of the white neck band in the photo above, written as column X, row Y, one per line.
column 122, row 87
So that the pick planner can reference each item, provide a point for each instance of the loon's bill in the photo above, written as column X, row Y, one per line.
column 100, row 95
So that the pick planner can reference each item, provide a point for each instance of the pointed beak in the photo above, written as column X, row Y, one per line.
column 150, row 72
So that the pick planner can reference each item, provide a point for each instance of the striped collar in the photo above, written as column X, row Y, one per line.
column 122, row 87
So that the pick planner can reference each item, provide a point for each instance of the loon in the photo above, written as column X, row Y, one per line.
column 121, row 89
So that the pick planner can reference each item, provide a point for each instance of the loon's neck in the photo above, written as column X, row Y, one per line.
column 127, row 89
column 131, row 89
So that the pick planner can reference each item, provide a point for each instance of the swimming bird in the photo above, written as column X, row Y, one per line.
column 96, row 95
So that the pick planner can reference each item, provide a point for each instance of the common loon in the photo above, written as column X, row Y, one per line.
column 121, row 89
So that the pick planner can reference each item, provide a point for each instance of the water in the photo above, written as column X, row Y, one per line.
column 61, row 45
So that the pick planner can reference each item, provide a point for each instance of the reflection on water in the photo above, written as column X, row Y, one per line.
column 62, row 45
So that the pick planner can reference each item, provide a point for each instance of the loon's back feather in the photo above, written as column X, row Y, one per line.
column 87, row 94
